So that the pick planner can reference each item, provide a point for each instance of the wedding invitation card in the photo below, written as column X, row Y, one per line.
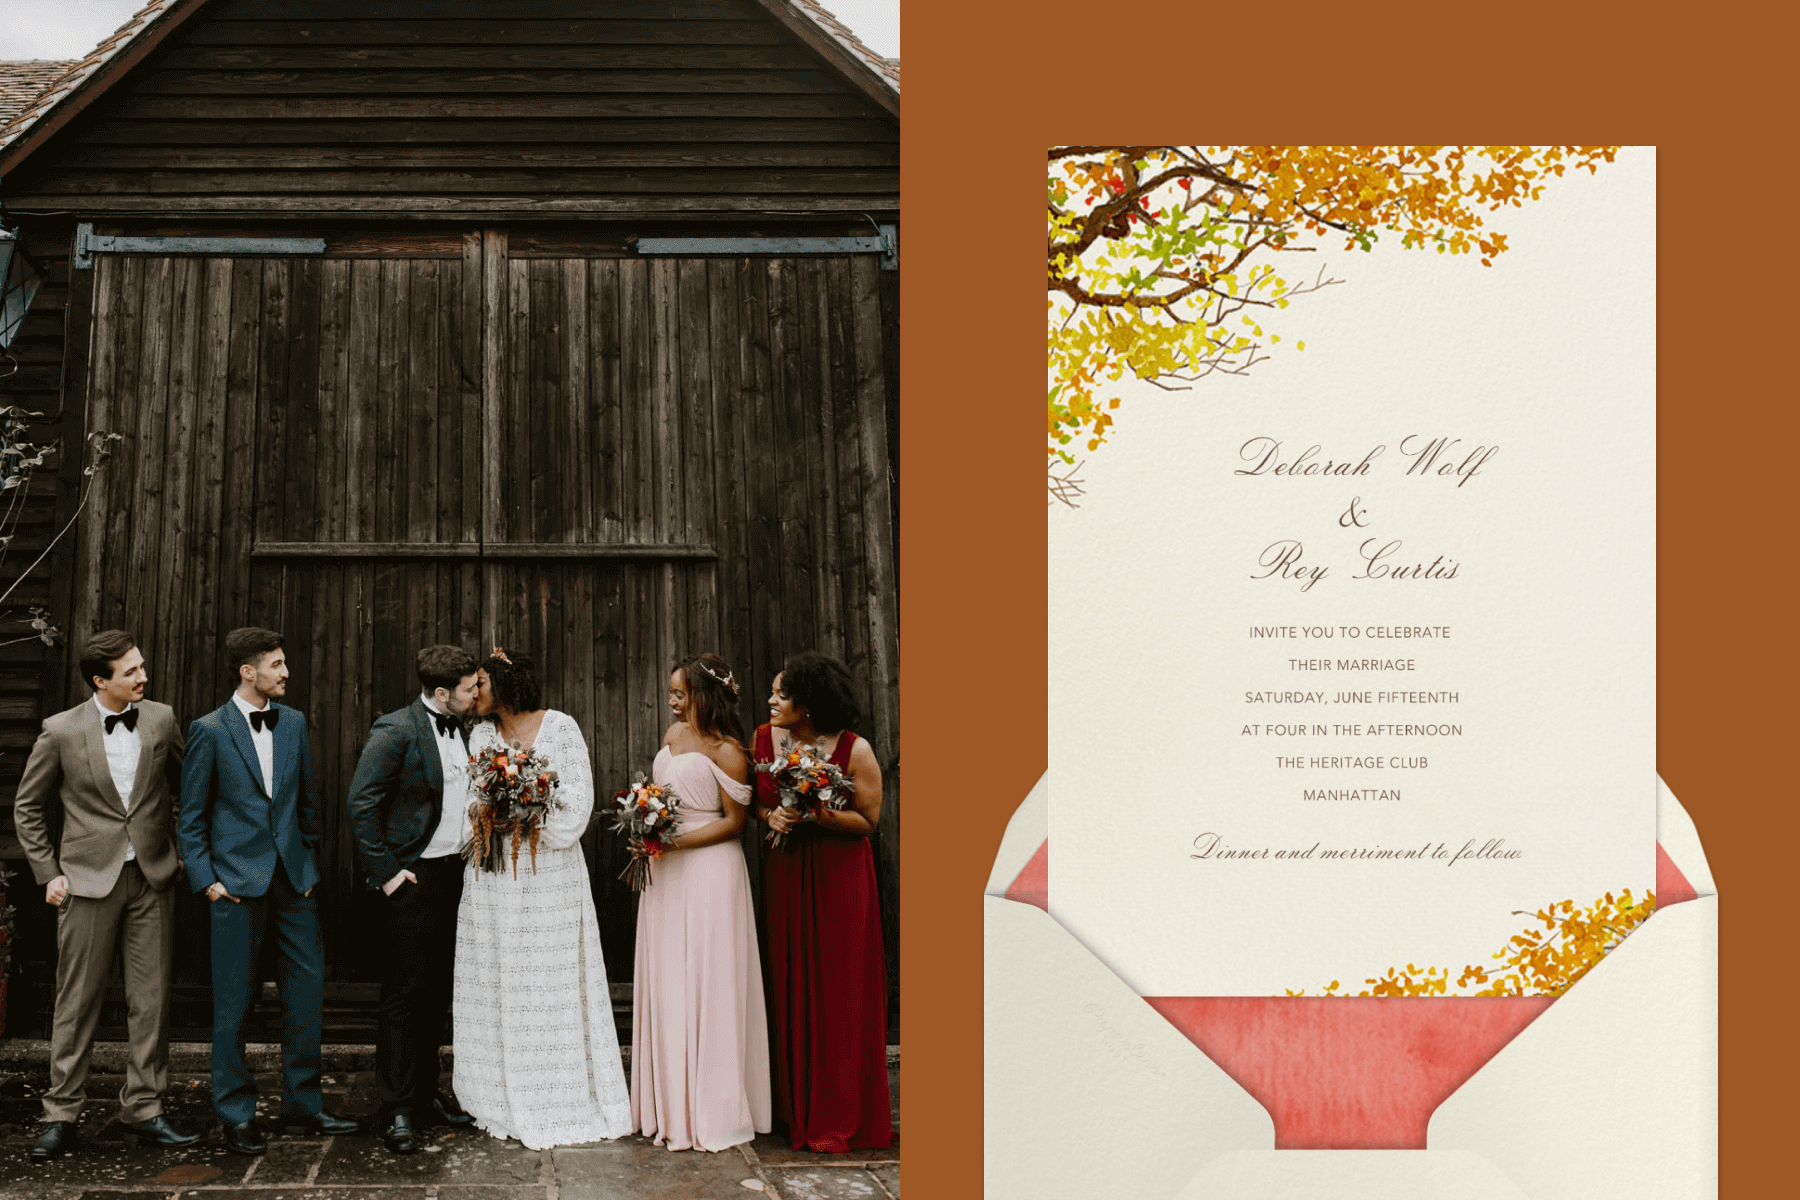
column 1352, row 653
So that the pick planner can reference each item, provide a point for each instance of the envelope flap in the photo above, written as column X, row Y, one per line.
column 1614, row 1090
column 1336, row 1174
column 1074, row 1058
column 1029, row 826
column 1680, row 840
column 1617, row 1081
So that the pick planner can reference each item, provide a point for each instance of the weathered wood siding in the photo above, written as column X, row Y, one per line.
column 26, row 667
column 446, row 107
column 30, row 378
column 604, row 462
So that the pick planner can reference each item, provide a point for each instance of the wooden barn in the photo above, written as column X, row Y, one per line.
column 569, row 326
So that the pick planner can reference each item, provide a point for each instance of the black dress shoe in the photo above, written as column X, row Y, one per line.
column 450, row 1112
column 158, row 1131
column 243, row 1139
column 399, row 1136
column 323, row 1125
column 57, row 1139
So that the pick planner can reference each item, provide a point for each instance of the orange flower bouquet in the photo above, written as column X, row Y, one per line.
column 515, row 793
column 645, row 813
column 808, row 781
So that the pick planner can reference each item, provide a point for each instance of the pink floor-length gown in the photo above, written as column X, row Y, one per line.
column 699, row 1034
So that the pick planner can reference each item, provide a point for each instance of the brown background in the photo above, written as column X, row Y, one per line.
column 989, row 88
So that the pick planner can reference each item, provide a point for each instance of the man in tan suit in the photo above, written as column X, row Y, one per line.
column 114, row 765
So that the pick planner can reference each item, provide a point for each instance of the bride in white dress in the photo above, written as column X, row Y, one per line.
column 537, row 1055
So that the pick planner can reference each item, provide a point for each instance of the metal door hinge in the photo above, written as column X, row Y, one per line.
column 88, row 244
column 886, row 245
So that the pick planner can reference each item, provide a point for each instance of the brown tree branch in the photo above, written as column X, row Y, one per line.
column 1128, row 200
column 1057, row 152
column 1066, row 487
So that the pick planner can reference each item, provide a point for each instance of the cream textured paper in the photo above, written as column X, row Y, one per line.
column 1538, row 373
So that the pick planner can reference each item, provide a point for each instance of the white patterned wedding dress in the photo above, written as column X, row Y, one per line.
column 537, row 1055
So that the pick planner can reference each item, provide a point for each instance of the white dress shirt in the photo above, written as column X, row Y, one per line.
column 123, row 749
column 453, row 752
column 264, row 741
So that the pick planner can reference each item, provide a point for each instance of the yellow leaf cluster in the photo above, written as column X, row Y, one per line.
column 1537, row 961
column 1153, row 249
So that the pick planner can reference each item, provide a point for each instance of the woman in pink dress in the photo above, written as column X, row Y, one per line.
column 699, row 1042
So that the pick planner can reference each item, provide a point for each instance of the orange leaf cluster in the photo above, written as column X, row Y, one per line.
column 1534, row 962
column 1161, row 258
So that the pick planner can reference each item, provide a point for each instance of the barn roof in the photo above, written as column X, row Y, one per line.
column 70, row 82
column 889, row 68
column 60, row 94
column 23, row 82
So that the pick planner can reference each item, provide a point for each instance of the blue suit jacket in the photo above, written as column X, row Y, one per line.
column 231, row 830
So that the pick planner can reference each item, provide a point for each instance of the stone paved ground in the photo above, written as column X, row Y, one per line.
column 453, row 1166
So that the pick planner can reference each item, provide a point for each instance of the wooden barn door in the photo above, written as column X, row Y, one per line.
column 367, row 501
column 301, row 450
column 604, row 462
column 691, row 456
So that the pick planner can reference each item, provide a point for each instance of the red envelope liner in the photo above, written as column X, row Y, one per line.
column 1033, row 883
column 1348, row 1072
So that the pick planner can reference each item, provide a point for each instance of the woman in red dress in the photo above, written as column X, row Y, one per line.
column 827, row 971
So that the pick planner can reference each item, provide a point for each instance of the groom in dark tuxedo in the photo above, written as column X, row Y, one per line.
column 249, row 827
column 408, row 805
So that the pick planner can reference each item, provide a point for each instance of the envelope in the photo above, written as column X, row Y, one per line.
column 1609, row 1090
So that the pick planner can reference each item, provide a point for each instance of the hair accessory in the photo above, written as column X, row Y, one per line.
column 500, row 654
column 730, row 684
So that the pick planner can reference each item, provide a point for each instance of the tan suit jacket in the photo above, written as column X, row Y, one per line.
column 68, row 763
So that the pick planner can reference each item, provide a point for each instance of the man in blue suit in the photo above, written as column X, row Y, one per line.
column 249, row 825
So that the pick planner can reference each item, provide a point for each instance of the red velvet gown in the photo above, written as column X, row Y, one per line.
column 827, row 980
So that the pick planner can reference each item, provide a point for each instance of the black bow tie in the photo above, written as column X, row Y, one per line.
column 447, row 726
column 266, row 719
column 128, row 719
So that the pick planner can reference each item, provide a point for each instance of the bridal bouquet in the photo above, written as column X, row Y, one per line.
column 808, row 781
column 515, row 794
column 645, row 813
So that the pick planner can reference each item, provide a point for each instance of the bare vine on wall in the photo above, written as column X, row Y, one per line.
column 20, row 459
